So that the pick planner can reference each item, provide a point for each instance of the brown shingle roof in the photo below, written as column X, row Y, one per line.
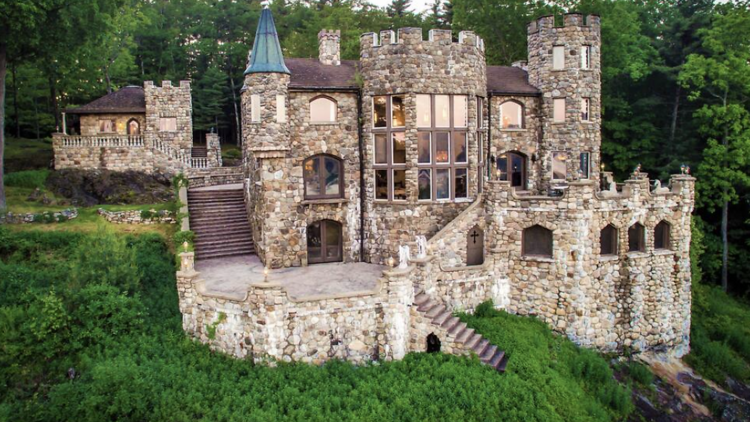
column 310, row 73
column 509, row 80
column 129, row 99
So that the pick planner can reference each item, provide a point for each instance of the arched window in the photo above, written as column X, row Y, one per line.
column 511, row 115
column 662, row 236
column 537, row 241
column 636, row 238
column 512, row 166
column 323, row 177
column 134, row 127
column 608, row 240
column 324, row 242
column 475, row 247
column 323, row 110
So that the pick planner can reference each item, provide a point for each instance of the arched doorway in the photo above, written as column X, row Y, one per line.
column 324, row 242
column 433, row 343
column 134, row 127
column 475, row 246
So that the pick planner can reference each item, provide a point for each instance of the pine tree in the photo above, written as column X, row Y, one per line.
column 399, row 8
column 209, row 99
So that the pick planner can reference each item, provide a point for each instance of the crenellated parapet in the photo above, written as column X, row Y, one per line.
column 169, row 114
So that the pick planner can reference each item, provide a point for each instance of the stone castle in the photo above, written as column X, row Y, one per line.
column 480, row 182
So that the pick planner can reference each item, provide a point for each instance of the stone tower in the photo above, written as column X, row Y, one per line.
column 565, row 64
column 265, row 131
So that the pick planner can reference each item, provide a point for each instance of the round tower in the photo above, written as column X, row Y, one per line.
column 565, row 64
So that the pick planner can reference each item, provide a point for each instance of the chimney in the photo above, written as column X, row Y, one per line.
column 329, row 47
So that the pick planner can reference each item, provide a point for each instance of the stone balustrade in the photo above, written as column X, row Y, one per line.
column 76, row 141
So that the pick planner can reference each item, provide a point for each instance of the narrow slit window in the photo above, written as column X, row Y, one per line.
column 255, row 108
column 558, row 57
column 608, row 240
column 585, row 109
column 281, row 109
column 586, row 57
column 559, row 110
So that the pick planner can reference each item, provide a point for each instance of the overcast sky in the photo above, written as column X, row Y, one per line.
column 416, row 5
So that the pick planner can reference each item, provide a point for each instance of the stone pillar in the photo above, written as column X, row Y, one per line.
column 64, row 124
column 329, row 50
column 399, row 293
column 186, row 277
column 267, row 329
column 213, row 149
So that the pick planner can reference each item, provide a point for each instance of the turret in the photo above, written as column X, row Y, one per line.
column 565, row 64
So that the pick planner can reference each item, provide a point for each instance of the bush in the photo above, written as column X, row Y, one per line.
column 640, row 373
column 105, row 258
column 31, row 179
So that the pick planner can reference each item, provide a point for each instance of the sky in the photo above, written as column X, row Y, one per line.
column 416, row 5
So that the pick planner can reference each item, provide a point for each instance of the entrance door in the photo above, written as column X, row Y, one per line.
column 475, row 247
column 134, row 128
column 324, row 243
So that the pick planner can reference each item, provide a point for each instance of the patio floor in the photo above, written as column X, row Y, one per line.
column 231, row 277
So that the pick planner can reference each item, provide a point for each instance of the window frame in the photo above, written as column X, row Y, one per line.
column 614, row 241
column 335, row 110
column 161, row 119
column 321, row 172
column 556, row 48
column 389, row 165
column 521, row 115
column 666, row 233
column 555, row 102
column 525, row 243
column 112, row 122
column 641, row 246
column 586, row 109
column 323, row 244
column 127, row 127
column 508, row 163
column 564, row 162
column 585, row 57
column 585, row 173
column 452, row 165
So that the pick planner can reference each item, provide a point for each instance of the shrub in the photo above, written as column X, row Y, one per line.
column 105, row 258
column 102, row 313
column 31, row 179
column 640, row 373
column 182, row 237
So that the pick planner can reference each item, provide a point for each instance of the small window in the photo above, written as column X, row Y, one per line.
column 537, row 241
column 381, row 184
column 558, row 110
column 460, row 110
column 322, row 175
column 424, row 110
column 379, row 118
column 323, row 110
column 585, row 165
column 381, row 148
column 586, row 57
column 558, row 57
column 585, row 109
column 480, row 112
column 608, row 240
column 559, row 165
column 398, row 118
column 281, row 109
column 255, row 108
column 636, row 238
column 443, row 183
column 461, row 183
column 168, row 124
column 107, row 126
column 134, row 127
column 662, row 236
column 442, row 143
column 442, row 111
column 511, row 115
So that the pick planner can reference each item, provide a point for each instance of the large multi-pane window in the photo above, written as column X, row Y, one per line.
column 389, row 142
column 442, row 147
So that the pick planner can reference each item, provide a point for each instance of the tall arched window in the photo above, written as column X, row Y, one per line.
column 323, row 176
column 324, row 242
column 511, row 115
column 512, row 166
column 636, row 238
column 537, row 241
column 134, row 127
column 662, row 236
column 323, row 110
column 608, row 240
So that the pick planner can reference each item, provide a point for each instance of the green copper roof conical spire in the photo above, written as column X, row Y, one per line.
column 266, row 56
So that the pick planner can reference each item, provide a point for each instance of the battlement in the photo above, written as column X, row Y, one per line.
column 569, row 20
column 184, row 84
column 414, row 37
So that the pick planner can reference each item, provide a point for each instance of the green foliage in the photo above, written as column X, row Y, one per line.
column 105, row 259
column 211, row 328
column 640, row 373
column 147, row 214
column 27, row 179
column 184, row 236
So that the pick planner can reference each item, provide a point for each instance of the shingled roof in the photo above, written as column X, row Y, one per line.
column 311, row 74
column 509, row 80
column 130, row 99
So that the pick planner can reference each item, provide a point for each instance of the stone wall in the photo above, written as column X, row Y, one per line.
column 102, row 152
column 216, row 176
column 573, row 83
column 410, row 65
column 138, row 216
column 90, row 123
column 169, row 101
column 42, row 217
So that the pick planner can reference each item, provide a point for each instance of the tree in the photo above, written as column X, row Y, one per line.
column 209, row 99
column 435, row 16
column 44, row 29
column 722, row 76
column 399, row 8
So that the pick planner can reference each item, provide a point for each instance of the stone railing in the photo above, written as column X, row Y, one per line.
column 75, row 141
column 172, row 153
column 199, row 163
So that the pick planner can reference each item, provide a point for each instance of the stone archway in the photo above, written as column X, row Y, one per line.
column 433, row 343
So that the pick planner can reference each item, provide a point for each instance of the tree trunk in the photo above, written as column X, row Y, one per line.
column 3, row 66
column 53, row 96
column 724, row 246
column 15, row 100
column 238, row 127
column 675, row 111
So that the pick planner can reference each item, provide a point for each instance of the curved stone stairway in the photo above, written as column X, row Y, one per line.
column 219, row 220
column 457, row 332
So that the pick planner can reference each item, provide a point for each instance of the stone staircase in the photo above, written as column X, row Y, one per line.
column 219, row 220
column 456, row 331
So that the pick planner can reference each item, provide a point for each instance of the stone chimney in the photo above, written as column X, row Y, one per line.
column 329, row 47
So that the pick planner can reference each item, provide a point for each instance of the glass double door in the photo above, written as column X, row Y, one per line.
column 324, row 242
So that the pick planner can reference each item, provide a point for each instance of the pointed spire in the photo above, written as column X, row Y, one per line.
column 266, row 56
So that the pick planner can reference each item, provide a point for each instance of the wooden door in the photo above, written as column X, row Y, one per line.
column 475, row 247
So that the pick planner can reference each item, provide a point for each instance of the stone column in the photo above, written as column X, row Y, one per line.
column 399, row 292
column 267, row 328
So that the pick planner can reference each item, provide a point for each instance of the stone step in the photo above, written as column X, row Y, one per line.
column 200, row 200
column 221, row 227
column 489, row 352
column 457, row 329
column 241, row 241
column 465, row 335
column 426, row 306
column 219, row 207
column 503, row 363
column 225, row 213
column 473, row 341
column 496, row 358
column 440, row 319
column 421, row 298
column 207, row 247
column 226, row 218
column 435, row 311
column 219, row 254
column 207, row 203
column 451, row 322
column 222, row 233
column 479, row 348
